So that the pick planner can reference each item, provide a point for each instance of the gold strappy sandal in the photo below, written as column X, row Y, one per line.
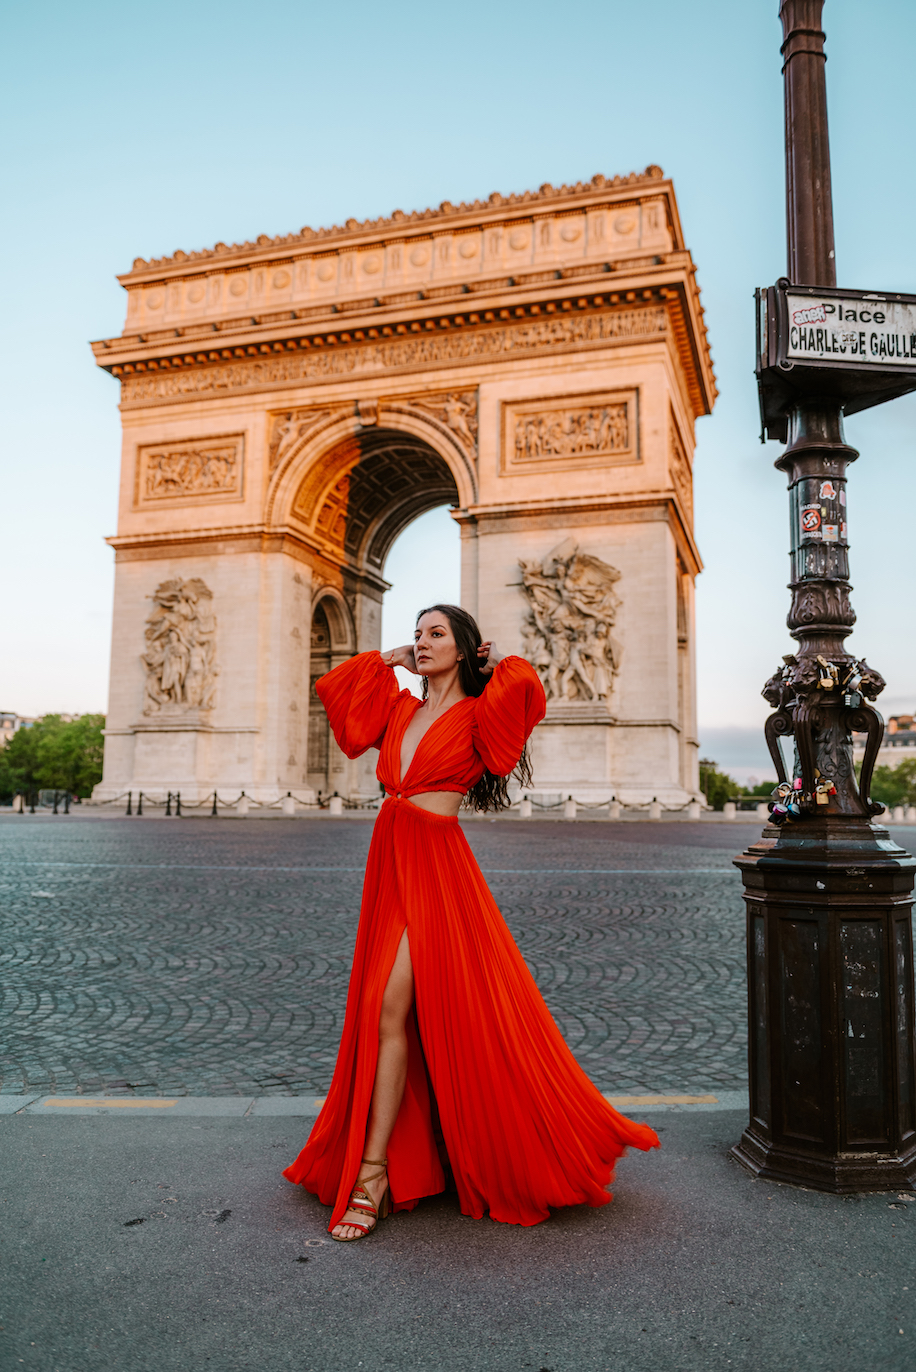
column 361, row 1201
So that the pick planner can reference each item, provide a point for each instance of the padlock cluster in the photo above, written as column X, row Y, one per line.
column 830, row 680
column 790, row 801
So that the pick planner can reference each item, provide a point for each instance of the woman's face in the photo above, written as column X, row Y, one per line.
column 435, row 649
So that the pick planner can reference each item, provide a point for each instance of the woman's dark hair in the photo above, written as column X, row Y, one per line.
column 491, row 792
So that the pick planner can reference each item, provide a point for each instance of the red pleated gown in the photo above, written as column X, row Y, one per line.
column 524, row 1128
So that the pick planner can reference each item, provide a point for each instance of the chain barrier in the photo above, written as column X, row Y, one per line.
column 138, row 802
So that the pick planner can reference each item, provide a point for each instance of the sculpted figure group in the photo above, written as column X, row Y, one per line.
column 572, row 609
column 180, row 647
column 572, row 432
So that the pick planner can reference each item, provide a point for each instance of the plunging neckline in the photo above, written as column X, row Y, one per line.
column 402, row 775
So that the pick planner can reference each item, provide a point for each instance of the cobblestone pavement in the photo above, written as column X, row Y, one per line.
column 211, row 957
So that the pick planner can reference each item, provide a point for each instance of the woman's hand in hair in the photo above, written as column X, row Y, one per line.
column 488, row 656
column 401, row 657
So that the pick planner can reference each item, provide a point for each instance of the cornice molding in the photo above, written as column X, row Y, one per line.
column 648, row 505
column 248, row 538
column 297, row 357
column 354, row 229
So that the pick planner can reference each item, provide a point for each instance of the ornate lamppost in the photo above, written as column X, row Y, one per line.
column 828, row 892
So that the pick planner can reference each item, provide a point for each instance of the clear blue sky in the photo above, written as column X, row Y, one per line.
column 134, row 130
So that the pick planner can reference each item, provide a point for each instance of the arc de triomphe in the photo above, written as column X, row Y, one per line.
column 535, row 361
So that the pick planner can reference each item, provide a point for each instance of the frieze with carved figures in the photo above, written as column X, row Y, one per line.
column 584, row 430
column 192, row 469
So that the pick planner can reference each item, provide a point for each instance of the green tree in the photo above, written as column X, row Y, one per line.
column 895, row 785
column 70, row 754
column 20, row 767
column 53, row 754
column 716, row 786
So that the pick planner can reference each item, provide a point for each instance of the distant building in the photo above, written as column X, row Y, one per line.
column 11, row 723
column 898, row 744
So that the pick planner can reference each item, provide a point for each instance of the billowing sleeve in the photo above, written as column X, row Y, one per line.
column 513, row 702
column 359, row 697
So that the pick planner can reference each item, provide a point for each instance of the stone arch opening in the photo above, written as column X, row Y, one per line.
column 367, row 489
column 356, row 500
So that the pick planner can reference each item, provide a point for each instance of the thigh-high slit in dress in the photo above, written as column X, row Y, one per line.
column 524, row 1128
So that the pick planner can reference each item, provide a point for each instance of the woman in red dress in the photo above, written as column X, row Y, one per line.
column 440, row 995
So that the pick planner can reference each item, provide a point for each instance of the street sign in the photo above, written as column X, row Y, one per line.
column 858, row 346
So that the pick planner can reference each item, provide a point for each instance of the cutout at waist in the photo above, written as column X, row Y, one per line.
column 446, row 804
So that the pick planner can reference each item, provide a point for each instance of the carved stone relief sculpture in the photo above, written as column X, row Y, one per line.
column 180, row 648
column 570, row 431
column 599, row 430
column 292, row 427
column 192, row 468
column 567, row 632
column 679, row 466
column 457, row 410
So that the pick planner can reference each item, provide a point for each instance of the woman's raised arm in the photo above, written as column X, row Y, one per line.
column 513, row 702
column 359, row 696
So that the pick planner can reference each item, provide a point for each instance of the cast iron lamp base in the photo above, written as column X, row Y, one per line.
column 831, row 1034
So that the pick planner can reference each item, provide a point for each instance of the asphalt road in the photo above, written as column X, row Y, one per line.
column 199, row 960
column 694, row 1266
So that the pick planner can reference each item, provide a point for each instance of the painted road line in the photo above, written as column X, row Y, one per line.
column 111, row 1104
column 661, row 1100
column 690, row 1105
column 142, row 1106
column 259, row 1107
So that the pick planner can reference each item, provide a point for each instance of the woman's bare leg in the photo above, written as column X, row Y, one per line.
column 390, row 1077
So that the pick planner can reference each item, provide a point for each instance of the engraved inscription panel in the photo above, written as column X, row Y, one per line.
column 196, row 469
column 570, row 431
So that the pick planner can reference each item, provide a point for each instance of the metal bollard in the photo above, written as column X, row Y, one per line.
column 241, row 806
column 569, row 808
column 178, row 805
column 56, row 798
column 214, row 810
column 66, row 802
column 168, row 805
column 613, row 810
column 130, row 797
column 693, row 810
column 655, row 809
column 524, row 808
column 140, row 804
column 289, row 805
column 336, row 805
